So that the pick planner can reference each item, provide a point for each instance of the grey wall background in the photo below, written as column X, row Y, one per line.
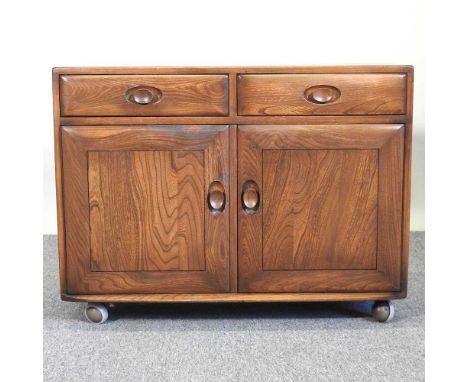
column 370, row 36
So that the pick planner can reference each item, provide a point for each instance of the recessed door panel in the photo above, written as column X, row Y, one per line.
column 329, row 211
column 320, row 209
column 146, row 210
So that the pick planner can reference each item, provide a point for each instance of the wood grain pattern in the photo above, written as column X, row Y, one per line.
column 78, row 142
column 135, row 132
column 181, row 95
column 145, row 70
column 146, row 210
column 388, row 139
column 232, row 297
column 233, row 120
column 407, row 186
column 283, row 94
column 232, row 203
column 59, row 182
column 320, row 209
column 232, row 95
column 389, row 253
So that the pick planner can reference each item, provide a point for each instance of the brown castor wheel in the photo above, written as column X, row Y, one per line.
column 383, row 311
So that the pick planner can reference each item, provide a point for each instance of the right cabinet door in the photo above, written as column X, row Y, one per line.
column 320, row 208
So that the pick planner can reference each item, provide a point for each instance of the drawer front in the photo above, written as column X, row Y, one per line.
column 321, row 94
column 144, row 95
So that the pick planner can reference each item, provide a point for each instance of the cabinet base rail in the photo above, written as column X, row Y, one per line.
column 232, row 297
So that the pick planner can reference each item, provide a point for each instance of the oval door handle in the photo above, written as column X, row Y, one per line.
column 216, row 197
column 143, row 95
column 322, row 94
column 250, row 197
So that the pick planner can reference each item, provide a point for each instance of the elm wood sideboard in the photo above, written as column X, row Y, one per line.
column 233, row 184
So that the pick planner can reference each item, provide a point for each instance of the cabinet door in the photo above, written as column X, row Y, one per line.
column 321, row 208
column 146, row 209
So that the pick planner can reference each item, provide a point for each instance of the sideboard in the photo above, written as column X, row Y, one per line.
column 238, row 184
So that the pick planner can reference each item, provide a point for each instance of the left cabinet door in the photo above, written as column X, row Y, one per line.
column 146, row 209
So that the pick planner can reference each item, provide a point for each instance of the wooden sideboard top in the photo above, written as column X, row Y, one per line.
column 233, row 69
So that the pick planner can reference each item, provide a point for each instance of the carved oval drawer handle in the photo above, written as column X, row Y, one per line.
column 216, row 197
column 250, row 197
column 322, row 94
column 143, row 95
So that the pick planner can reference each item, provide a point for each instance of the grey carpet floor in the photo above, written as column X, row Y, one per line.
column 234, row 342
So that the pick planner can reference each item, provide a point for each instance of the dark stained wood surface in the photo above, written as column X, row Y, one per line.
column 254, row 140
column 59, row 182
column 146, row 210
column 286, row 94
column 78, row 143
column 232, row 297
column 232, row 204
column 232, row 120
column 140, row 285
column 192, row 95
column 407, row 185
column 145, row 70
column 320, row 209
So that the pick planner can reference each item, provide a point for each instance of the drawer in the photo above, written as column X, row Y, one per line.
column 144, row 95
column 321, row 94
